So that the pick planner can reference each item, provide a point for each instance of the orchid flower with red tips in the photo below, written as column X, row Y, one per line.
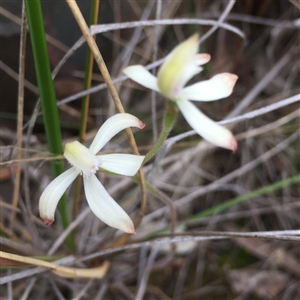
column 85, row 162
column 178, row 68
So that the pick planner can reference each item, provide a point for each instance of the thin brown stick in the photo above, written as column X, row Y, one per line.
column 96, row 272
column 85, row 111
column 260, row 86
column 106, row 76
column 89, row 77
column 31, row 159
column 13, row 74
column 290, row 235
column 230, row 176
column 20, row 112
column 51, row 40
column 283, row 236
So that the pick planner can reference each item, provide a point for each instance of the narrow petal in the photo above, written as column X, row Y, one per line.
column 142, row 76
column 111, row 127
column 123, row 164
column 206, row 127
column 218, row 87
column 52, row 194
column 105, row 207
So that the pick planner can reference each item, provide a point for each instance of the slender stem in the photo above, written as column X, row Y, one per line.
column 88, row 73
column 86, row 100
column 170, row 116
column 165, row 199
column 110, row 85
column 21, row 78
column 154, row 57
column 47, row 94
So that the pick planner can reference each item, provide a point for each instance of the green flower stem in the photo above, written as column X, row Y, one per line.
column 47, row 95
column 170, row 116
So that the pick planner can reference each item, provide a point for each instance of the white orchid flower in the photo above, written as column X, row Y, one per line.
column 84, row 161
column 179, row 67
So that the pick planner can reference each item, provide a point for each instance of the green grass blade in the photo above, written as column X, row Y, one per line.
column 47, row 94
column 243, row 198
column 234, row 201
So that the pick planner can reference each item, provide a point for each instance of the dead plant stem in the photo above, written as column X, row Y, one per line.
column 106, row 76
column 85, row 104
column 20, row 112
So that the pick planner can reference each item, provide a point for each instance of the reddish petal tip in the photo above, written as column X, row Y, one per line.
column 229, row 79
column 202, row 58
column 48, row 222
column 131, row 230
column 233, row 145
column 141, row 125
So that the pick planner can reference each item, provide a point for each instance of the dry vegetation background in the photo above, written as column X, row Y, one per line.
column 193, row 175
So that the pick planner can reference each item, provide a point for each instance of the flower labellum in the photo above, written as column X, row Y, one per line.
column 179, row 67
column 84, row 161
column 81, row 158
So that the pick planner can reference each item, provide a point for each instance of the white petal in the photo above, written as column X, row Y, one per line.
column 52, row 194
column 206, row 127
column 105, row 207
column 123, row 164
column 218, row 87
column 111, row 127
column 142, row 76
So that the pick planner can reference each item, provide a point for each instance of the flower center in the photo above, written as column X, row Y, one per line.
column 81, row 158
